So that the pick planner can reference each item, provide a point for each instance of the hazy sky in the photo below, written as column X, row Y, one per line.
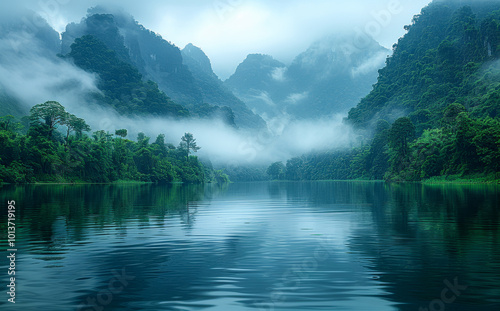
column 228, row 30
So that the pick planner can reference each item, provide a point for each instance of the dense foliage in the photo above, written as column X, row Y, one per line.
column 120, row 82
column 48, row 154
column 176, row 73
column 449, row 55
column 440, row 91
column 462, row 149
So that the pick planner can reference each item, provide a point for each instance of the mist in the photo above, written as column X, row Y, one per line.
column 229, row 30
column 32, row 76
column 32, row 79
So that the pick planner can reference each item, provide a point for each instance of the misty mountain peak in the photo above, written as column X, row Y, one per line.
column 194, row 56
column 19, row 29
column 331, row 76
column 254, row 70
column 338, row 52
column 263, row 60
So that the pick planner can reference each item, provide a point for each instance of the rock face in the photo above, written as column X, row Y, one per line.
column 186, row 77
column 213, row 90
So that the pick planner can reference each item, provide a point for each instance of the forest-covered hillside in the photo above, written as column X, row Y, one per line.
column 159, row 60
column 122, row 85
column 434, row 112
column 447, row 56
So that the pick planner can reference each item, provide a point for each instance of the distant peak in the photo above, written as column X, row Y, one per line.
column 195, row 52
column 191, row 49
column 259, row 56
column 191, row 46
column 194, row 55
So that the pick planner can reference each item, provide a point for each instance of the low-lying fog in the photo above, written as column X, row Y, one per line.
column 32, row 76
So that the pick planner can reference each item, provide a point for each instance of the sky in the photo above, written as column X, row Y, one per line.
column 228, row 30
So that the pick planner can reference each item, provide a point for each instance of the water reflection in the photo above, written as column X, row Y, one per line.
column 250, row 246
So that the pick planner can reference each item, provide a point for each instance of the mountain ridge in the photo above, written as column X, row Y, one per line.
column 161, row 61
column 330, row 77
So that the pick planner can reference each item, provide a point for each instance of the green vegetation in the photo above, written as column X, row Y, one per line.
column 47, row 154
column 448, row 56
column 440, row 90
column 123, row 52
column 121, row 82
column 462, row 149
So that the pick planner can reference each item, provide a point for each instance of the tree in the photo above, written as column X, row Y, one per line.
column 276, row 170
column 159, row 145
column 51, row 113
column 8, row 123
column 188, row 143
column 73, row 123
column 451, row 113
column 102, row 136
column 293, row 168
column 142, row 140
column 377, row 158
column 122, row 133
column 400, row 134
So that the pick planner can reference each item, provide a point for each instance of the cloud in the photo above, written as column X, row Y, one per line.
column 375, row 62
column 265, row 98
column 278, row 74
column 227, row 146
column 229, row 30
column 32, row 76
column 295, row 98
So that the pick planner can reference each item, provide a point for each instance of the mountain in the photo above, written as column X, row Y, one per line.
column 213, row 90
column 258, row 81
column 449, row 55
column 331, row 76
column 21, row 38
column 155, row 58
column 434, row 113
column 122, row 85
column 160, row 61
column 197, row 61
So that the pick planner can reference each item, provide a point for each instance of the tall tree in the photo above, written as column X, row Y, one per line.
column 73, row 123
column 400, row 134
column 188, row 144
column 276, row 170
column 51, row 113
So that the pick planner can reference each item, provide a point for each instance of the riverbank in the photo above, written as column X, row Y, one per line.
column 455, row 179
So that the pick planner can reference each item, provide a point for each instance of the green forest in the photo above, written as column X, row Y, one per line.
column 432, row 115
column 434, row 112
column 47, row 154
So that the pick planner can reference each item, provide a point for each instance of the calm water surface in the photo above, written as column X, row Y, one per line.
column 254, row 246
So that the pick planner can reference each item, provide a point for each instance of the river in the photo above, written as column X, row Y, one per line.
column 253, row 246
